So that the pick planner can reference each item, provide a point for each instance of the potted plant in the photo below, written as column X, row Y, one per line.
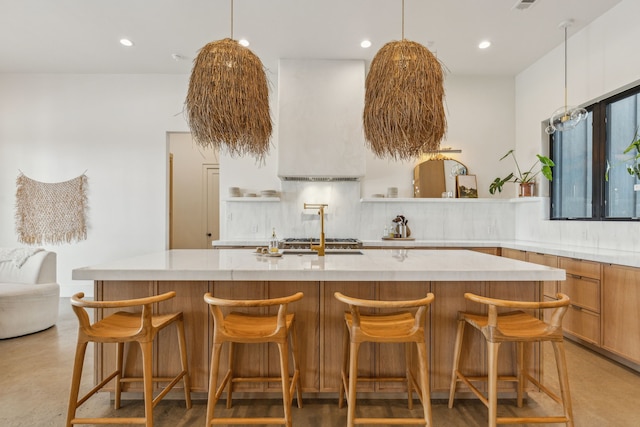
column 525, row 179
column 633, row 168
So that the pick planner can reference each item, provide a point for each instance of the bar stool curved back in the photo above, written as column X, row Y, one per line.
column 519, row 327
column 126, row 327
column 403, row 326
column 250, row 328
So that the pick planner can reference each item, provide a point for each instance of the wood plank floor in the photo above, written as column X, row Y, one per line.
column 35, row 372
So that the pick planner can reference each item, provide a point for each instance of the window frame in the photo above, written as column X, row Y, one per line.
column 598, row 108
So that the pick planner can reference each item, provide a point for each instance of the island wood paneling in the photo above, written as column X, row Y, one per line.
column 106, row 353
column 390, row 358
column 449, row 300
column 621, row 311
column 320, row 329
column 189, row 300
column 248, row 359
column 307, row 332
column 332, row 333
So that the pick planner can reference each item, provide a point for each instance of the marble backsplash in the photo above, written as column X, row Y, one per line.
column 347, row 215
column 533, row 224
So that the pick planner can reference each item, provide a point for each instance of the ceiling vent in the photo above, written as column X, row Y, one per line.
column 524, row 4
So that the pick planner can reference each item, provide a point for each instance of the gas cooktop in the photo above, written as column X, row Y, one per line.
column 330, row 242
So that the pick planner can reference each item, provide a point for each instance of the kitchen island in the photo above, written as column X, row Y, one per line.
column 374, row 274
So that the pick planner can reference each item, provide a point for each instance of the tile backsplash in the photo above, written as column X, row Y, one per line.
column 347, row 215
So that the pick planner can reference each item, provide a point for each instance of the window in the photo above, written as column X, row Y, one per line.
column 590, row 179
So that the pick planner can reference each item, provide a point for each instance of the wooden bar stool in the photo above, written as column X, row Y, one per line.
column 252, row 328
column 519, row 327
column 396, row 327
column 121, row 327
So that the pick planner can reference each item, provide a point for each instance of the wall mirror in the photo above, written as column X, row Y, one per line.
column 435, row 176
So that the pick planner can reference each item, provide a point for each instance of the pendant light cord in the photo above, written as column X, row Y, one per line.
column 231, row 19
column 402, row 19
column 565, row 68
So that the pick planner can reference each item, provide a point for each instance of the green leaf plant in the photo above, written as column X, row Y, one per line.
column 542, row 165
column 633, row 168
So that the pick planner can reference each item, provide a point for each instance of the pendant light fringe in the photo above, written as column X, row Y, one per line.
column 228, row 100
column 404, row 114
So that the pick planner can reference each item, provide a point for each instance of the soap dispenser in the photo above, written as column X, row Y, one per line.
column 273, row 242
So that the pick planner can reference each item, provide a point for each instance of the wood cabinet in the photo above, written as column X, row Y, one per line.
column 549, row 287
column 165, row 350
column 583, row 286
column 621, row 311
column 319, row 327
column 514, row 254
column 605, row 304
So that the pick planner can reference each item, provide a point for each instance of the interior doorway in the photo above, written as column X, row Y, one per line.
column 194, row 193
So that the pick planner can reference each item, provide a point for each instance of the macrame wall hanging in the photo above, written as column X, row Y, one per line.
column 51, row 212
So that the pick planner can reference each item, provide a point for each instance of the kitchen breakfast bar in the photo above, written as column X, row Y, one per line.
column 394, row 274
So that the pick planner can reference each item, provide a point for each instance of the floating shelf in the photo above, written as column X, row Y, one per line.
column 252, row 199
column 449, row 200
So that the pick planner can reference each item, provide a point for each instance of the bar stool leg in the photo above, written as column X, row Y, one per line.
column 563, row 379
column 119, row 371
column 424, row 383
column 147, row 377
column 407, row 368
column 456, row 362
column 230, row 374
column 296, row 364
column 284, row 374
column 213, row 382
column 520, row 369
column 353, row 379
column 182, row 343
column 81, row 349
column 492, row 359
column 345, row 365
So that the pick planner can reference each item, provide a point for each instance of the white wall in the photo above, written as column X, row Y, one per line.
column 480, row 114
column 54, row 127
column 600, row 60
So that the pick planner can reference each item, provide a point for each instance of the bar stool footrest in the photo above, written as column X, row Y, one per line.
column 390, row 421
column 533, row 420
column 238, row 421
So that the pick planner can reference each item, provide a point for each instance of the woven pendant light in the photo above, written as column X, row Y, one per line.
column 227, row 102
column 403, row 109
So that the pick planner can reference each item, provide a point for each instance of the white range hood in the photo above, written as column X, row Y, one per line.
column 320, row 106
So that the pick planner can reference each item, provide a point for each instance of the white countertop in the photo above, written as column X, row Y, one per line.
column 611, row 256
column 372, row 265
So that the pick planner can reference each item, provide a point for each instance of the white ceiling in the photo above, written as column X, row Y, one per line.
column 81, row 36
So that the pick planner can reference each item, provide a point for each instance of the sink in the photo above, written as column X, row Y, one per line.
column 326, row 252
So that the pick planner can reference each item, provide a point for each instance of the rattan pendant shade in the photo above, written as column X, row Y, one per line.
column 403, row 111
column 227, row 102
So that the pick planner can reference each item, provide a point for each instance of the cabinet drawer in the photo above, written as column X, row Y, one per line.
column 581, row 268
column 550, row 287
column 583, row 292
column 514, row 254
column 583, row 324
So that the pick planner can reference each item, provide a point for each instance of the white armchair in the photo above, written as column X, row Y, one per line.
column 29, row 294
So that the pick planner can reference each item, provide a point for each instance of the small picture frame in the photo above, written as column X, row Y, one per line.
column 466, row 187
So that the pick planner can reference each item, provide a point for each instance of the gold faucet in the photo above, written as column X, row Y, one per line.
column 320, row 207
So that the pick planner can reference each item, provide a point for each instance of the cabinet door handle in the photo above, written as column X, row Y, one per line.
column 576, row 307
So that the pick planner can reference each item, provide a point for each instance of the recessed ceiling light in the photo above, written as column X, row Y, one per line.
column 365, row 44
column 244, row 42
column 484, row 44
column 126, row 42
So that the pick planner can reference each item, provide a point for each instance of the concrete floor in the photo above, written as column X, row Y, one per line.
column 36, row 370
